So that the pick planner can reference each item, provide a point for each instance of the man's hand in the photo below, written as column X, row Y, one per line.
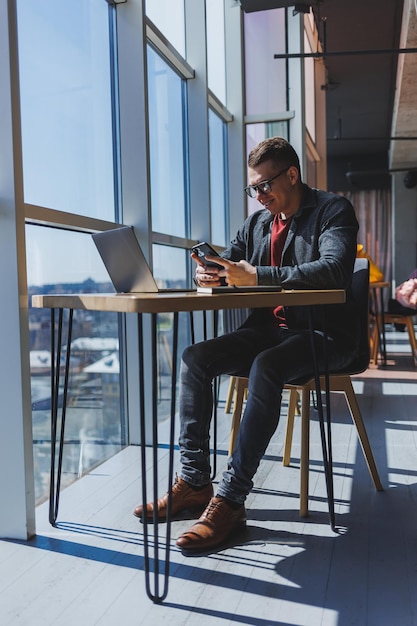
column 206, row 276
column 239, row 274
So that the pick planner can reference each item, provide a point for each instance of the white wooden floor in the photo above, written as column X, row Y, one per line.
column 283, row 570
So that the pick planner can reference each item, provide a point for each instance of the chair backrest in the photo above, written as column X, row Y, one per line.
column 360, row 291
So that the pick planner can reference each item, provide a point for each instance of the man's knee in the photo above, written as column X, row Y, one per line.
column 194, row 355
column 267, row 368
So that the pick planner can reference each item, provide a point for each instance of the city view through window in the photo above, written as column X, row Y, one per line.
column 94, row 421
column 95, row 427
column 70, row 167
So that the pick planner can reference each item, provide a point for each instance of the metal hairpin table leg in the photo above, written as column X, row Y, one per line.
column 216, row 391
column 156, row 594
column 56, row 350
column 326, row 444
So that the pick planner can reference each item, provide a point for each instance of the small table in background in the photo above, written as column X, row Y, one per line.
column 377, row 310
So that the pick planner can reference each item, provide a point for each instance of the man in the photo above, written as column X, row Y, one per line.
column 302, row 238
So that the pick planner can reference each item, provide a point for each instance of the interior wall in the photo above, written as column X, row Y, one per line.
column 357, row 173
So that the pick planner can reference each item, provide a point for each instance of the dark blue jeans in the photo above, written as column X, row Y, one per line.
column 270, row 356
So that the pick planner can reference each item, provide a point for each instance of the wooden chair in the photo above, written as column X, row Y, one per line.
column 395, row 318
column 339, row 381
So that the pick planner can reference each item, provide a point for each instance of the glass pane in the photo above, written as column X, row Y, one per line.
column 166, row 139
column 168, row 17
column 218, row 199
column 64, row 262
column 266, row 89
column 66, row 106
column 216, row 55
column 170, row 268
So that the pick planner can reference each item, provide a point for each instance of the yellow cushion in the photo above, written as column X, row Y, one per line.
column 375, row 274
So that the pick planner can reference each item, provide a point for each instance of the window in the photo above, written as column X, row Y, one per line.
column 218, row 177
column 170, row 266
column 171, row 270
column 216, row 54
column 168, row 17
column 64, row 262
column 166, row 146
column 68, row 165
column 266, row 85
column 64, row 66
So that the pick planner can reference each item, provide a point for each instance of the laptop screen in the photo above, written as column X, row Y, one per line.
column 124, row 260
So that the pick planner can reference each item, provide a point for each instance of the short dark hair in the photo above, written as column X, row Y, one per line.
column 276, row 149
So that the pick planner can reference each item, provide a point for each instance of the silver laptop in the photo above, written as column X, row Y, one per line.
column 125, row 262
column 130, row 273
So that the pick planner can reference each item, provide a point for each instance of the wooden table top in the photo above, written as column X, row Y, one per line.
column 186, row 301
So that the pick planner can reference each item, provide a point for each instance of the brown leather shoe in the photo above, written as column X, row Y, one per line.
column 184, row 497
column 218, row 522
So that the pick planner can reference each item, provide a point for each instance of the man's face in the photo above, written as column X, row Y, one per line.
column 281, row 197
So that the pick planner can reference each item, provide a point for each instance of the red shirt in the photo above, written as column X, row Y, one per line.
column 279, row 234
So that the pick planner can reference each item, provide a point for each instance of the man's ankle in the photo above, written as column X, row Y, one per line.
column 233, row 505
column 199, row 487
column 196, row 487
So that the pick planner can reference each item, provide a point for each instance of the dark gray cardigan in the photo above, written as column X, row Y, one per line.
column 319, row 253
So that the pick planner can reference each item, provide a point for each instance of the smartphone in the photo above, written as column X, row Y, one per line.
column 204, row 249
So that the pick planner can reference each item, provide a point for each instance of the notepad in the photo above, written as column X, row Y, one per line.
column 242, row 289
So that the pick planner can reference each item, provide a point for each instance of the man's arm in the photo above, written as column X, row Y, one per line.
column 322, row 252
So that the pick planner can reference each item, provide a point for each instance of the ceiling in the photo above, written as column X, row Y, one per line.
column 366, row 104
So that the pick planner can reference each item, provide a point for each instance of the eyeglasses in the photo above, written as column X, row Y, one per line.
column 264, row 186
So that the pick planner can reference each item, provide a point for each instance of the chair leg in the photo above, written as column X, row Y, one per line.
column 305, row 450
column 374, row 340
column 229, row 398
column 240, row 386
column 292, row 409
column 305, row 441
column 412, row 338
column 297, row 404
column 361, row 430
